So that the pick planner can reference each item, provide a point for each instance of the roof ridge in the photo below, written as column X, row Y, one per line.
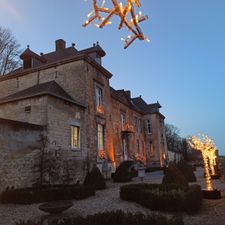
column 47, row 88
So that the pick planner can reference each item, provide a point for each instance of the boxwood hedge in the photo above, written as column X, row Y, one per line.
column 160, row 197
column 111, row 218
column 46, row 193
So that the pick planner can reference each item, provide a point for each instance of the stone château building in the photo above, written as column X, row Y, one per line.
column 61, row 104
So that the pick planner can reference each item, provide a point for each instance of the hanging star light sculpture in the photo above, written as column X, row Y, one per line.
column 125, row 13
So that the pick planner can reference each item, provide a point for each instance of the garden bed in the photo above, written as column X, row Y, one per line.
column 46, row 194
column 111, row 218
column 169, row 198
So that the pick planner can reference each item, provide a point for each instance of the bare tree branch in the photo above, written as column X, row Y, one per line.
column 9, row 52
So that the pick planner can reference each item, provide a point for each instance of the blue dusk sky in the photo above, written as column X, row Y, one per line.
column 183, row 67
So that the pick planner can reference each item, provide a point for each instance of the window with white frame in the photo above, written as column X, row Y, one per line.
column 138, row 146
column 123, row 119
column 139, row 125
column 100, row 137
column 99, row 96
column 136, row 123
column 152, row 151
column 149, row 127
column 75, row 137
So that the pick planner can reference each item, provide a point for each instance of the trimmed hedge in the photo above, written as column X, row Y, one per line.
column 125, row 172
column 153, row 169
column 163, row 197
column 95, row 178
column 46, row 193
column 174, row 176
column 112, row 218
column 187, row 171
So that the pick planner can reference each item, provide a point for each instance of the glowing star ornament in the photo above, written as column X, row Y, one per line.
column 127, row 15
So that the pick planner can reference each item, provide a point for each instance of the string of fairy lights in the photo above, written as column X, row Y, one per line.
column 128, row 18
column 208, row 150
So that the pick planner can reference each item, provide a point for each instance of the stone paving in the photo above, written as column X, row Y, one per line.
column 212, row 213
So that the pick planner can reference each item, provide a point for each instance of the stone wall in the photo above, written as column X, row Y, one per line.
column 158, row 139
column 136, row 134
column 61, row 116
column 16, row 110
column 19, row 144
column 70, row 76
column 92, row 117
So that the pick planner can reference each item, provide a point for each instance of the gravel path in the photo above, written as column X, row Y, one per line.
column 212, row 213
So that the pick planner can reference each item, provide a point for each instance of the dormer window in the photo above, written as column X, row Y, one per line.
column 31, row 59
column 27, row 63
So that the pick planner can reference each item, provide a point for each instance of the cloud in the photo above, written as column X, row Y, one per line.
column 10, row 9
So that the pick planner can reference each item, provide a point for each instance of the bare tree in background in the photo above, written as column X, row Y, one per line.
column 173, row 138
column 9, row 52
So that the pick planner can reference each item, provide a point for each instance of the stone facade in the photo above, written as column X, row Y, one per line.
column 69, row 89
column 19, row 145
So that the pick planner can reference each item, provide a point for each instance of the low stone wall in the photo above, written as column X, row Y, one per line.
column 19, row 143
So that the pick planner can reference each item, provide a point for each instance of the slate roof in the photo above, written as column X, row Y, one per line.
column 97, row 48
column 60, row 54
column 144, row 107
column 137, row 104
column 121, row 96
column 28, row 52
column 49, row 88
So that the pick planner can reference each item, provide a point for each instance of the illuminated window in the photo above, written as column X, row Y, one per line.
column 75, row 137
column 152, row 153
column 100, row 137
column 149, row 127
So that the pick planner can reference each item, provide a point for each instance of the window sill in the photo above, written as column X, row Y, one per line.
column 75, row 149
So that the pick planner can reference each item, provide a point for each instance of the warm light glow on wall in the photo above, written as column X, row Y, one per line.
column 101, row 154
column 127, row 15
column 100, row 109
column 110, row 147
column 140, row 157
column 127, row 127
column 208, row 150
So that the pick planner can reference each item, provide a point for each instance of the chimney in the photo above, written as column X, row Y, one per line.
column 128, row 93
column 60, row 44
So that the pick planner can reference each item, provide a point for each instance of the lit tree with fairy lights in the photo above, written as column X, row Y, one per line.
column 208, row 150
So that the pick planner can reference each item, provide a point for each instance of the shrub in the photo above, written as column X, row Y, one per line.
column 125, row 172
column 187, row 171
column 193, row 199
column 46, row 193
column 174, row 176
column 95, row 178
column 163, row 197
column 153, row 169
column 111, row 218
